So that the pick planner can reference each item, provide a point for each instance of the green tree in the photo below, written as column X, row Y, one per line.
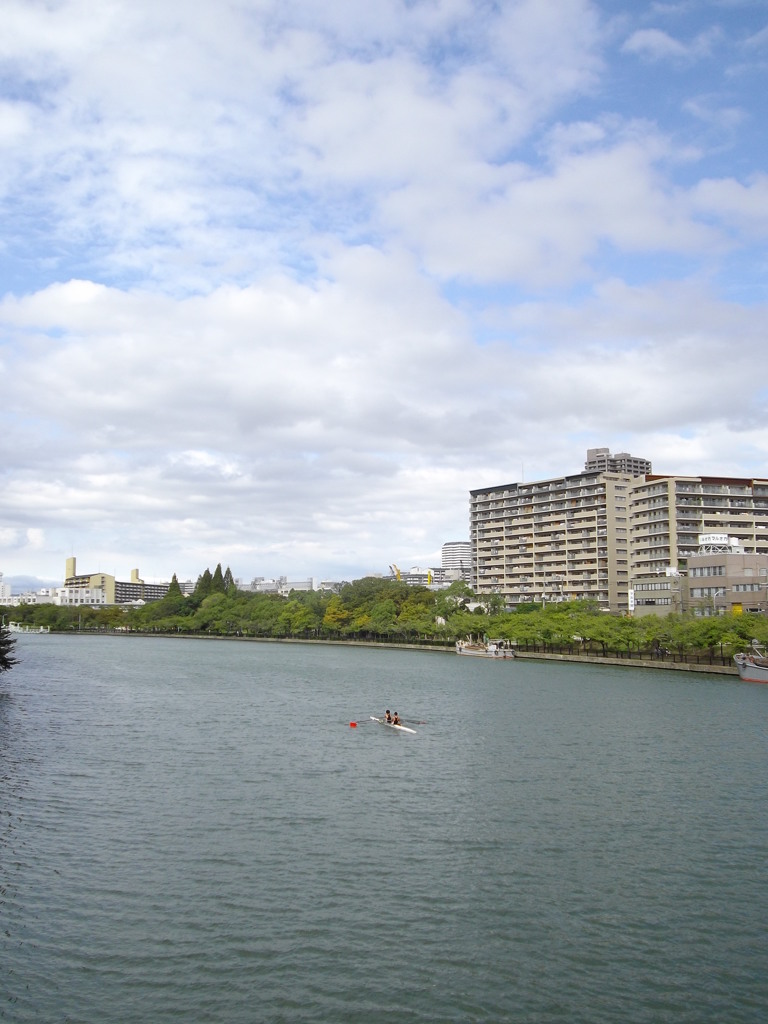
column 360, row 624
column 212, row 616
column 336, row 615
column 112, row 617
column 173, row 604
column 261, row 614
column 7, row 648
column 383, row 615
column 204, row 586
column 417, row 615
column 494, row 603
column 625, row 633
column 53, row 616
column 296, row 619
column 452, row 599
column 304, row 620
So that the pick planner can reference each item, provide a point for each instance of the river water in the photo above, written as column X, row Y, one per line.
column 191, row 831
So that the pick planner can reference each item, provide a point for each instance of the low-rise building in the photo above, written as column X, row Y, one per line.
column 721, row 577
column 82, row 597
column 280, row 585
column 46, row 595
column 103, row 589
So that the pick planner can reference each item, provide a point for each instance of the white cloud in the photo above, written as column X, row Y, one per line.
column 656, row 45
column 743, row 206
column 286, row 280
column 726, row 118
column 543, row 226
column 285, row 412
column 758, row 40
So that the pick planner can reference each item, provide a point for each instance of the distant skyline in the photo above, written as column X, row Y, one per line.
column 281, row 282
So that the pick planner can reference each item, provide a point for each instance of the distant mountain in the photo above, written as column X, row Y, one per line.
column 23, row 584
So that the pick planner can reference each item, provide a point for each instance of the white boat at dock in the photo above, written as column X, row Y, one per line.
column 485, row 648
column 753, row 666
column 19, row 627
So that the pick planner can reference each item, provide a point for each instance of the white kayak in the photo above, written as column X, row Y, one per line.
column 391, row 725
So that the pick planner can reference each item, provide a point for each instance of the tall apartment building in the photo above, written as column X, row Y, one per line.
column 564, row 539
column 614, row 537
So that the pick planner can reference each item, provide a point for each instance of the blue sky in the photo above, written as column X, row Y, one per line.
column 281, row 281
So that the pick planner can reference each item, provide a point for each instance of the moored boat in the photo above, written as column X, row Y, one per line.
column 18, row 627
column 753, row 666
column 485, row 648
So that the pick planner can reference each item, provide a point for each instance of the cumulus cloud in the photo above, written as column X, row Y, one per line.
column 287, row 413
column 741, row 205
column 284, row 281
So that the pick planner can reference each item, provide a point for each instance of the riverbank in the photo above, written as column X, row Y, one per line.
column 589, row 659
column 674, row 666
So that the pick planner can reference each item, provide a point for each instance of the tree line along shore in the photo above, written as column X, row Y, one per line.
column 392, row 612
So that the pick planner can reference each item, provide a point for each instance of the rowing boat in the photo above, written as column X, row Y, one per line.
column 391, row 725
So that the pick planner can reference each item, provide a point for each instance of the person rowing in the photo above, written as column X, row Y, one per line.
column 388, row 717
column 396, row 719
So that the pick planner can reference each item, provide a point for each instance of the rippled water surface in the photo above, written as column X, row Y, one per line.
column 191, row 831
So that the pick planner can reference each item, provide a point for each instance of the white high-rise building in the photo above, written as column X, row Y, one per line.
column 457, row 558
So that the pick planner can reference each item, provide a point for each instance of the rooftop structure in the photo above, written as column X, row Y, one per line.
column 601, row 460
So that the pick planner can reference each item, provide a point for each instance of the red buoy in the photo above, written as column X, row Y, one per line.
column 353, row 725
